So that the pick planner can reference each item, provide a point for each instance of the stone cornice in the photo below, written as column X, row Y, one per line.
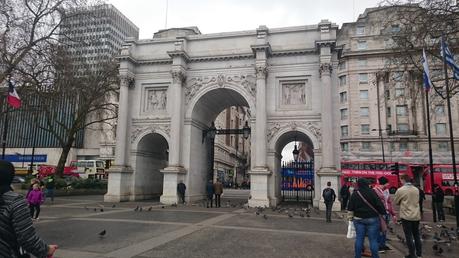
column 262, row 47
column 222, row 57
column 328, row 43
column 294, row 52
column 179, row 53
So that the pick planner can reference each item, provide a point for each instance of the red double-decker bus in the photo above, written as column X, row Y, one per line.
column 372, row 170
column 443, row 176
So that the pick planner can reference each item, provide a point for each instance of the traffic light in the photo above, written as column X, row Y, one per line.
column 394, row 168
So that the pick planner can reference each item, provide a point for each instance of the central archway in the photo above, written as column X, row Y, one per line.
column 204, row 110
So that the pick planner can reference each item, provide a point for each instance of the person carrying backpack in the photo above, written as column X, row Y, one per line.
column 329, row 198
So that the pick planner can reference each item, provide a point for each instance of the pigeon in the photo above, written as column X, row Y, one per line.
column 136, row 208
column 174, row 205
column 257, row 212
column 113, row 206
column 290, row 215
column 265, row 216
column 140, row 209
column 307, row 215
column 102, row 233
column 101, row 210
column 437, row 249
column 162, row 207
column 302, row 215
column 149, row 209
column 95, row 209
column 86, row 207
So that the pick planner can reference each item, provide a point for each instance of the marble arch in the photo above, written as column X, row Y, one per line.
column 286, row 76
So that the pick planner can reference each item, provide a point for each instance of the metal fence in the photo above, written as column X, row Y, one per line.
column 297, row 182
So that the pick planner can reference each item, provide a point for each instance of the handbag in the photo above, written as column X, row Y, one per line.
column 382, row 221
column 351, row 230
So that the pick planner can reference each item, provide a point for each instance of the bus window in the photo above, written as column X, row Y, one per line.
column 100, row 164
column 402, row 167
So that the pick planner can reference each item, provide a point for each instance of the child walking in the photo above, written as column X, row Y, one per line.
column 35, row 199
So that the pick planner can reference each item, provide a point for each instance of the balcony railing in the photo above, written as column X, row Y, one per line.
column 403, row 132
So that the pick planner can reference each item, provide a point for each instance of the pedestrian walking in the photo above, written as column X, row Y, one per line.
column 50, row 186
column 438, row 198
column 407, row 197
column 218, row 188
column 17, row 234
column 422, row 197
column 329, row 198
column 382, row 190
column 345, row 194
column 181, row 188
column 364, row 208
column 210, row 193
column 35, row 199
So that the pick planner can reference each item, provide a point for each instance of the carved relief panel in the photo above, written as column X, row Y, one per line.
column 154, row 99
column 294, row 93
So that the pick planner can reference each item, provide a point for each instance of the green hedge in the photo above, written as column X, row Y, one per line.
column 75, row 183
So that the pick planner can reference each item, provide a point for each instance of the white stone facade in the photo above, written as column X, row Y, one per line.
column 284, row 76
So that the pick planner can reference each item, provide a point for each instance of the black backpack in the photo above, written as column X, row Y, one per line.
column 328, row 195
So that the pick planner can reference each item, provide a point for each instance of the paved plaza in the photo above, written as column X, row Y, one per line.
column 74, row 223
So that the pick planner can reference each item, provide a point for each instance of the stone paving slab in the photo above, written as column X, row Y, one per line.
column 161, row 215
column 83, row 235
column 219, row 242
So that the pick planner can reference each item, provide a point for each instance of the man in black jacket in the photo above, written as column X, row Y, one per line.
column 329, row 198
column 438, row 198
column 16, row 229
column 344, row 192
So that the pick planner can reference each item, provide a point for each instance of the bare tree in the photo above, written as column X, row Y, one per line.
column 27, row 26
column 69, row 98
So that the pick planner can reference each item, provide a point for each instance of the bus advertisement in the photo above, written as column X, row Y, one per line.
column 372, row 170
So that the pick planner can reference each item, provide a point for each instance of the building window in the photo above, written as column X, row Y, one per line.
column 344, row 131
column 343, row 97
column 366, row 146
column 397, row 76
column 388, row 112
column 443, row 146
column 387, row 94
column 345, row 146
column 362, row 62
column 365, row 129
column 362, row 45
column 343, row 113
column 402, row 110
column 364, row 111
column 402, row 127
column 403, row 146
column 342, row 65
column 360, row 30
column 342, row 80
column 389, row 128
column 395, row 28
column 363, row 78
column 440, row 129
column 399, row 92
column 440, row 110
column 364, row 95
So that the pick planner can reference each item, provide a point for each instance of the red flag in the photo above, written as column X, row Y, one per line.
column 13, row 97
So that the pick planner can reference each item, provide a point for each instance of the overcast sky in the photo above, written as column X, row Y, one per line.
column 212, row 16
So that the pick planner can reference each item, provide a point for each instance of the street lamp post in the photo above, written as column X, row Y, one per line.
column 382, row 141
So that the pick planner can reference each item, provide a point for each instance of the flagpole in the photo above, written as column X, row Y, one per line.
column 5, row 130
column 429, row 137
column 451, row 138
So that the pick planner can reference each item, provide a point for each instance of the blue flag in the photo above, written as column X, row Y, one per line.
column 426, row 73
column 449, row 59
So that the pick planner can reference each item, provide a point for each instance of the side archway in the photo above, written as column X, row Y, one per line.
column 150, row 156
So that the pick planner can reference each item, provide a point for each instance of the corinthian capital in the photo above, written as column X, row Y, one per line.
column 325, row 69
column 127, row 80
column 178, row 76
column 261, row 71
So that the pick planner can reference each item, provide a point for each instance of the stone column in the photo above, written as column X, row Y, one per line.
column 328, row 160
column 175, row 171
column 120, row 174
column 259, row 174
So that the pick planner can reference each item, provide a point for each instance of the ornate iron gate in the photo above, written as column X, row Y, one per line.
column 297, row 182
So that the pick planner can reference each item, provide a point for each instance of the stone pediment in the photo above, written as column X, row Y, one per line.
column 312, row 127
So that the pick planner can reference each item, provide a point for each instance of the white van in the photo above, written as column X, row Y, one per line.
column 89, row 168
